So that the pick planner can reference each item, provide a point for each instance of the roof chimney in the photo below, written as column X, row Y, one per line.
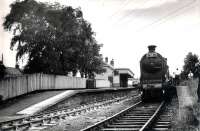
column 106, row 59
column 151, row 48
column 112, row 62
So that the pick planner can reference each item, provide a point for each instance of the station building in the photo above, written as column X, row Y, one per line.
column 113, row 77
column 10, row 71
column 105, row 79
column 121, row 77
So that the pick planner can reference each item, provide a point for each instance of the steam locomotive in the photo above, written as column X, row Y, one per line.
column 154, row 75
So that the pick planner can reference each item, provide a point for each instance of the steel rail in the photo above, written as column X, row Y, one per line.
column 149, row 122
column 103, row 123
column 41, row 118
column 78, row 107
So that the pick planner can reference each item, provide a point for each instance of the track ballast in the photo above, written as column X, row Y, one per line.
column 139, row 117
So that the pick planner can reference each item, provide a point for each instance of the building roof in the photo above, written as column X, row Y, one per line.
column 125, row 71
column 11, row 71
column 108, row 65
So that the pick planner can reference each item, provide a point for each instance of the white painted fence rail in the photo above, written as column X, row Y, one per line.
column 15, row 86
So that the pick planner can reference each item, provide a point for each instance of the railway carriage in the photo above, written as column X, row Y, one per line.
column 154, row 75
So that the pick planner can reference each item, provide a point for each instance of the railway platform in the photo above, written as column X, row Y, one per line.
column 33, row 103
column 9, row 109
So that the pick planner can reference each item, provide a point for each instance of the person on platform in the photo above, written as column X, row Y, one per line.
column 196, row 74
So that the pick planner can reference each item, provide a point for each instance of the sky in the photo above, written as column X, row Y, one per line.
column 127, row 27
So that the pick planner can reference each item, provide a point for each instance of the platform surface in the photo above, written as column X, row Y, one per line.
column 35, row 102
column 46, row 103
column 9, row 109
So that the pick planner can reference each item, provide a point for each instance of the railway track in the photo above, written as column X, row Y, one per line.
column 139, row 117
column 51, row 118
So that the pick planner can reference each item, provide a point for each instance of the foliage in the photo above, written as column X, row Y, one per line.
column 2, row 70
column 196, row 70
column 183, row 75
column 56, row 38
column 189, row 64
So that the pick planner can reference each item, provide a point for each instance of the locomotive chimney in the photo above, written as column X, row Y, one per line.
column 151, row 48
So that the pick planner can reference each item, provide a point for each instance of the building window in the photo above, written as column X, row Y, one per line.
column 116, row 72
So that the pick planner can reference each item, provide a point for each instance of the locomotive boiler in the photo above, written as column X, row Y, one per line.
column 154, row 75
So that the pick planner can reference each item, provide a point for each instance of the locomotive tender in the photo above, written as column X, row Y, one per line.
column 154, row 75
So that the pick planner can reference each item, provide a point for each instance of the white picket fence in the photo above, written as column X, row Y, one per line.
column 15, row 86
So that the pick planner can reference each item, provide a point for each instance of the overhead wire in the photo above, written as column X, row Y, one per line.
column 158, row 20
column 130, row 13
column 162, row 19
column 166, row 17
column 122, row 7
column 126, row 3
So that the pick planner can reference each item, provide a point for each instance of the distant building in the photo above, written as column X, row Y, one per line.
column 112, row 77
column 105, row 79
column 108, row 73
column 134, row 81
column 121, row 77
column 11, row 71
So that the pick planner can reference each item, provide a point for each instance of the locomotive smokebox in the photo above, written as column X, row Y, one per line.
column 152, row 48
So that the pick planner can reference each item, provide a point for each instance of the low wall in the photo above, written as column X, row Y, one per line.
column 188, row 105
column 102, row 83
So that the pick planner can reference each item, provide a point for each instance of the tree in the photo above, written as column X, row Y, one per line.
column 189, row 63
column 53, row 36
column 183, row 75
